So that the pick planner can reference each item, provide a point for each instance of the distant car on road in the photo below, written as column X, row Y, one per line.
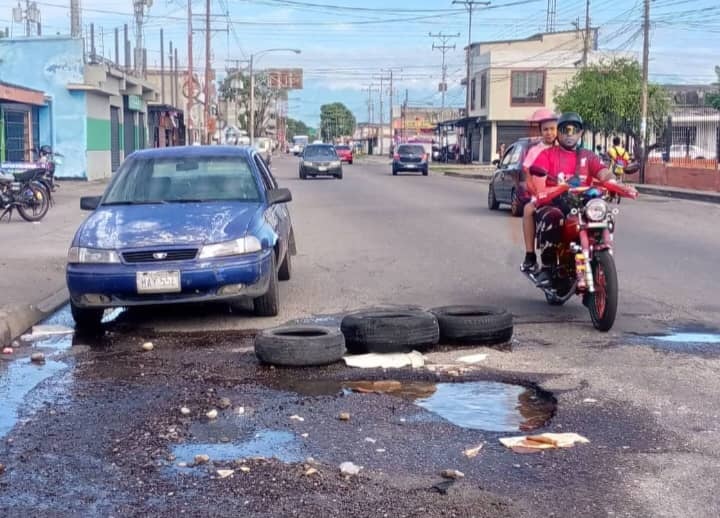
column 410, row 157
column 345, row 153
column 508, row 185
column 182, row 224
column 320, row 160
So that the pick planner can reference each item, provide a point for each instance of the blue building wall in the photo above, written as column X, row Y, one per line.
column 48, row 64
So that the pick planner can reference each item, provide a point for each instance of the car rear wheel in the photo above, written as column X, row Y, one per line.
column 86, row 318
column 492, row 201
column 339, row 175
column 285, row 271
column 303, row 176
column 516, row 206
column 269, row 304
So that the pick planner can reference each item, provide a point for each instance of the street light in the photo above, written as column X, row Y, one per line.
column 252, row 87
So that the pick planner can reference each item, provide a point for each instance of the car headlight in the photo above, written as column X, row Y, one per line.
column 307, row 163
column 244, row 245
column 596, row 210
column 335, row 163
column 79, row 254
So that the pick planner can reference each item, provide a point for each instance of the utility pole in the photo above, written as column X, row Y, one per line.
column 586, row 46
column 644, row 105
column 207, row 71
column 444, row 47
column 404, row 136
column 75, row 26
column 381, row 117
column 252, row 103
column 162, row 67
column 190, row 79
column 469, row 5
column 551, row 16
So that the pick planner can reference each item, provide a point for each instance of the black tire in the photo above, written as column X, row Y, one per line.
column 86, row 319
column 269, row 304
column 285, row 271
column 37, row 203
column 339, row 176
column 303, row 176
column 516, row 206
column 350, row 162
column 481, row 325
column 603, row 304
column 394, row 172
column 425, row 172
column 300, row 346
column 492, row 201
column 384, row 330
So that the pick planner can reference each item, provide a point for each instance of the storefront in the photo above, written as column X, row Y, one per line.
column 21, row 111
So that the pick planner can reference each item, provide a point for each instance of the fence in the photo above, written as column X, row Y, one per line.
column 689, row 138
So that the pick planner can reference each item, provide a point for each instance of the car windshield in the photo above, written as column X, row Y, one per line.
column 183, row 179
column 414, row 150
column 320, row 152
column 342, row 148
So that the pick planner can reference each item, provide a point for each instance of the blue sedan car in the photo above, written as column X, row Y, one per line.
column 183, row 224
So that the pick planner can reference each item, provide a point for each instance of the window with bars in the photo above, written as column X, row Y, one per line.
column 527, row 88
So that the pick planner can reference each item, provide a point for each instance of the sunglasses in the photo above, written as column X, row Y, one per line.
column 570, row 129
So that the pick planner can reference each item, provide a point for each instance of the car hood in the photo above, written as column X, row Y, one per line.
column 131, row 226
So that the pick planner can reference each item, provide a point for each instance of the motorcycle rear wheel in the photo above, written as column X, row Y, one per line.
column 603, row 302
column 35, row 204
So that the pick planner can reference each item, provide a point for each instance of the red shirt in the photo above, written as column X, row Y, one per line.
column 557, row 160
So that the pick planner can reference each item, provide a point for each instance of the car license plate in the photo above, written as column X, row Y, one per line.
column 158, row 282
column 322, row 168
column 411, row 165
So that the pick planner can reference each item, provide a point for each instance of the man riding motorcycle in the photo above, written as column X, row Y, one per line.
column 553, row 166
column 547, row 124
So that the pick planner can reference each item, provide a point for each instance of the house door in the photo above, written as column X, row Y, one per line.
column 129, row 131
column 114, row 138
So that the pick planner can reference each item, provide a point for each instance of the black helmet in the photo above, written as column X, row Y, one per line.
column 570, row 118
column 45, row 150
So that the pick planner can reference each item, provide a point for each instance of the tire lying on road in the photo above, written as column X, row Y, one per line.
column 300, row 346
column 389, row 330
column 481, row 325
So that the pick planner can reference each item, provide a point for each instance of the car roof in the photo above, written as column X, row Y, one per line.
column 194, row 152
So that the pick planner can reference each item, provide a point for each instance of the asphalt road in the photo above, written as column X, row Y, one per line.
column 649, row 408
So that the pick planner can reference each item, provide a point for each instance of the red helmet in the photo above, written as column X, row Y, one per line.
column 543, row 114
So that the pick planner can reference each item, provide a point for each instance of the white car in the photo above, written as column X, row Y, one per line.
column 679, row 151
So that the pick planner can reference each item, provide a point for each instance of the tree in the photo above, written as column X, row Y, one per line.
column 607, row 96
column 236, row 87
column 336, row 120
column 296, row 127
column 713, row 99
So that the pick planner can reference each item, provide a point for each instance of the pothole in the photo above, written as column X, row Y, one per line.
column 478, row 405
column 695, row 339
column 277, row 444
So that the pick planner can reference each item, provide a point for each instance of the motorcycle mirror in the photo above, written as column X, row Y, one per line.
column 537, row 171
column 632, row 168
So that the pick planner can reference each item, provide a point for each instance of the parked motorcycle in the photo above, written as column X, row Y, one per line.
column 575, row 235
column 25, row 194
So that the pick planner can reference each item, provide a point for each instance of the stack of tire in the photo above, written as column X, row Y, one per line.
column 384, row 330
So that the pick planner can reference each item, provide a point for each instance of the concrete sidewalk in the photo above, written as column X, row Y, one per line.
column 33, row 259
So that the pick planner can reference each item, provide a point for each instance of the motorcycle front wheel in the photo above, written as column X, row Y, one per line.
column 34, row 203
column 603, row 302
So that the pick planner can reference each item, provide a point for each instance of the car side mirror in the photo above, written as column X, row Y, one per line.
column 280, row 195
column 537, row 171
column 632, row 168
column 496, row 162
column 89, row 202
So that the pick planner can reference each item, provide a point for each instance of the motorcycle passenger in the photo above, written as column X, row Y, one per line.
column 553, row 166
column 547, row 123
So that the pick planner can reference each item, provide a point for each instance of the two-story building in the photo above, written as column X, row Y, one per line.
column 510, row 79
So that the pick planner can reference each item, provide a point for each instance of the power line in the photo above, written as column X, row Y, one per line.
column 443, row 47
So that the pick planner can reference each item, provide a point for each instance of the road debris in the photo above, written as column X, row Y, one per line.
column 442, row 487
column 349, row 469
column 452, row 474
column 589, row 400
column 148, row 346
column 185, row 410
column 370, row 440
column 202, row 459
column 412, row 359
column 7, row 350
column 472, row 452
column 304, row 435
column 224, row 403
column 297, row 418
column 225, row 473
column 40, row 332
column 545, row 441
column 245, row 469
column 212, row 414
column 473, row 358
column 344, row 416
column 37, row 358
column 310, row 472
column 2, row 469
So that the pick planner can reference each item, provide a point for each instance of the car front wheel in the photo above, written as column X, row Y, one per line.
column 269, row 304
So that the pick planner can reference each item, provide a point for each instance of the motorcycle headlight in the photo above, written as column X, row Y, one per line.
column 245, row 245
column 79, row 254
column 596, row 210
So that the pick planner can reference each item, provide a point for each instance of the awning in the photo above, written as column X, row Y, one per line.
column 20, row 94
column 463, row 122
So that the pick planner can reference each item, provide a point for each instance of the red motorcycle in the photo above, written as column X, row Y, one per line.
column 575, row 236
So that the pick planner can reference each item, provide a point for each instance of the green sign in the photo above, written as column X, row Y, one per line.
column 135, row 103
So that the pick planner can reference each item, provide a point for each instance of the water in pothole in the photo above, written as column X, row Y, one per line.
column 694, row 339
column 478, row 405
column 281, row 445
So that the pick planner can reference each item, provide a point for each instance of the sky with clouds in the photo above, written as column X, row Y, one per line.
column 346, row 46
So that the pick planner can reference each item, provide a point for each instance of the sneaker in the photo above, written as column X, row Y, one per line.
column 529, row 264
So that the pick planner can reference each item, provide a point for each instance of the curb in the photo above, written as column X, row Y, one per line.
column 473, row 176
column 684, row 195
column 15, row 319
